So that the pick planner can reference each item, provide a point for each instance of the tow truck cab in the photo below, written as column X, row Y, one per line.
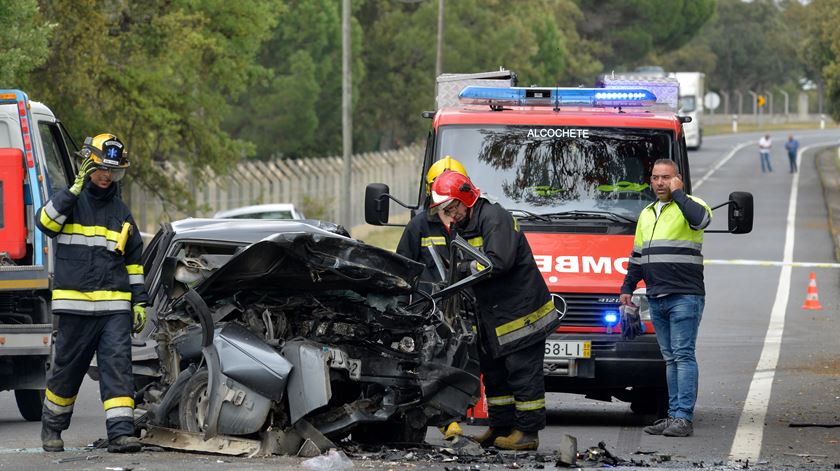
column 34, row 163
column 573, row 167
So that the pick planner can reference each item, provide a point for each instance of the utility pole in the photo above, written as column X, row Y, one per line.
column 346, row 114
column 439, row 57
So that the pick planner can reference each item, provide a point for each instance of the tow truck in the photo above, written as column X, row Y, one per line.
column 573, row 166
column 34, row 163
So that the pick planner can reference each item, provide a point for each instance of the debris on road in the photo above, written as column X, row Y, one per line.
column 803, row 425
column 334, row 460
column 77, row 458
column 567, row 451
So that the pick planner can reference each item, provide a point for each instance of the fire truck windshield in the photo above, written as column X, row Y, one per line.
column 550, row 169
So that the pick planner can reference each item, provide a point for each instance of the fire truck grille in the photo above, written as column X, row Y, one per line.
column 587, row 310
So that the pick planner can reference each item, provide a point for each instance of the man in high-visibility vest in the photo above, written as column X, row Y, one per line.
column 667, row 254
column 98, row 294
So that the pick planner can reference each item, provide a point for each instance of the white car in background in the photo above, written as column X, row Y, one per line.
column 262, row 211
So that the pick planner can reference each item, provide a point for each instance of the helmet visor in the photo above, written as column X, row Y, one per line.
column 117, row 174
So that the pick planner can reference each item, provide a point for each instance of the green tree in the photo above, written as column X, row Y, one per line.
column 629, row 31
column 754, row 46
column 160, row 74
column 24, row 36
column 295, row 110
column 819, row 46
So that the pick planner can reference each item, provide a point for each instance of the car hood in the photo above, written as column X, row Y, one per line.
column 312, row 259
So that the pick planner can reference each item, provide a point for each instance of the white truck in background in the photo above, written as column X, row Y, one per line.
column 692, row 89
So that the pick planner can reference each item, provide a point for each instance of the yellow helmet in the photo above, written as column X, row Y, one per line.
column 442, row 165
column 106, row 151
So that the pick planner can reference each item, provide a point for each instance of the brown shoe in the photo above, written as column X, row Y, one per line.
column 490, row 435
column 518, row 440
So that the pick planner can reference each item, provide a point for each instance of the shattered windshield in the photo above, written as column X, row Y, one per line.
column 550, row 169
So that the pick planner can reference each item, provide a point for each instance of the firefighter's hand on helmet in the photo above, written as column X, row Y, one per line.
column 139, row 318
column 85, row 169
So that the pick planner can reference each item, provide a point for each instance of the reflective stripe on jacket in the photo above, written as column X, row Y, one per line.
column 667, row 251
column 515, row 307
column 91, row 278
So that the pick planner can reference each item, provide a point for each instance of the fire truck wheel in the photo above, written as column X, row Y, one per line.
column 29, row 402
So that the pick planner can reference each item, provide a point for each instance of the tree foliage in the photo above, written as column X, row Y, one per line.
column 628, row 32
column 160, row 74
column 24, row 36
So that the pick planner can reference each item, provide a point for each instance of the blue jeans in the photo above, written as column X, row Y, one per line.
column 676, row 318
column 765, row 160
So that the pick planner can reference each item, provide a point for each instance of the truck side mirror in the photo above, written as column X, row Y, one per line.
column 740, row 212
column 377, row 204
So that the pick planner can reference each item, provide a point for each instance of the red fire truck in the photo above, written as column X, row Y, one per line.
column 573, row 166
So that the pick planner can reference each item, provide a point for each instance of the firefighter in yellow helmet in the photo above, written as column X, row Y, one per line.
column 98, row 294
column 427, row 233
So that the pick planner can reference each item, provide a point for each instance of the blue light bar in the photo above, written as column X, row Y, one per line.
column 555, row 97
column 611, row 317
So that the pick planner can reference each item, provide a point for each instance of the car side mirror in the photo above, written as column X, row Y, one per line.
column 377, row 204
column 740, row 212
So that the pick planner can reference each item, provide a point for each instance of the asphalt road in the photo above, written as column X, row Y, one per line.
column 765, row 363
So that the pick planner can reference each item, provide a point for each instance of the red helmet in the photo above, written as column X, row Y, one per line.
column 450, row 186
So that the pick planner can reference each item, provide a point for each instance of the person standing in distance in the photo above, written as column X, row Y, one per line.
column 764, row 145
column 667, row 255
column 98, row 294
column 792, row 147
column 515, row 313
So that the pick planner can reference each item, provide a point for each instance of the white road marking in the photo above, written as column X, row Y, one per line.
column 720, row 164
column 747, row 442
column 772, row 263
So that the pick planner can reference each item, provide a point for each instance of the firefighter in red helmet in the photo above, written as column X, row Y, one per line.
column 515, row 313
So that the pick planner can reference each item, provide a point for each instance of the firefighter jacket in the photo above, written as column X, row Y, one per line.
column 667, row 249
column 422, row 235
column 515, row 307
column 91, row 277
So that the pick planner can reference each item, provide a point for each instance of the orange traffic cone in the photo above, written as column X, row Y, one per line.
column 478, row 413
column 812, row 298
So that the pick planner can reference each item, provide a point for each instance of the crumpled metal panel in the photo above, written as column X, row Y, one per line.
column 247, row 359
column 309, row 383
column 312, row 261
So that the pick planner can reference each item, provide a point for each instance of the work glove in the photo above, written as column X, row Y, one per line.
column 631, row 323
column 139, row 318
column 85, row 169
column 467, row 268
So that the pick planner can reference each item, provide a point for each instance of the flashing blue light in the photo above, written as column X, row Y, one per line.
column 555, row 97
column 611, row 317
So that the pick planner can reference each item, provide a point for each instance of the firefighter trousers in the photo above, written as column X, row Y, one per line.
column 79, row 337
column 515, row 388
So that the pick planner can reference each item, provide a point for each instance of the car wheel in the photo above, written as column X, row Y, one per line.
column 30, row 402
column 192, row 409
column 650, row 401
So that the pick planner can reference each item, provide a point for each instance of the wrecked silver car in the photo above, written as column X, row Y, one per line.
column 284, row 331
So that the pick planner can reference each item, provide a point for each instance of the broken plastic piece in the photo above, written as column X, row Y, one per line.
column 332, row 461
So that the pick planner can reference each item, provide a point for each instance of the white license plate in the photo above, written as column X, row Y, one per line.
column 568, row 349
column 340, row 360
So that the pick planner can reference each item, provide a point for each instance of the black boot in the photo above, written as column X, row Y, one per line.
column 124, row 444
column 51, row 439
